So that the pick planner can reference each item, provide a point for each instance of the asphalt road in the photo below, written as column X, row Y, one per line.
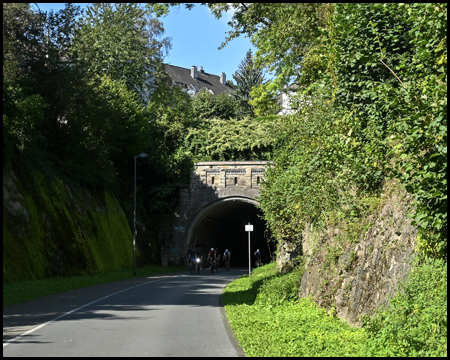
column 174, row 314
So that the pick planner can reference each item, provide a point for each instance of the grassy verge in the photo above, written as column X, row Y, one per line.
column 268, row 320
column 15, row 292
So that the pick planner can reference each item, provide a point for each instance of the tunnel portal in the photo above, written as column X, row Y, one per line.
column 214, row 208
column 222, row 225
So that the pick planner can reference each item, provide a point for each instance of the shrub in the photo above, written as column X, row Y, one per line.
column 415, row 323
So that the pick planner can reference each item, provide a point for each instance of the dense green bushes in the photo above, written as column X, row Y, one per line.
column 374, row 107
column 208, row 106
column 391, row 69
column 74, row 117
column 216, row 139
column 415, row 323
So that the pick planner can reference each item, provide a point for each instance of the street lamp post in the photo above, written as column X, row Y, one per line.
column 134, row 233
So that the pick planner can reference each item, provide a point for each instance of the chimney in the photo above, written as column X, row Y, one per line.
column 201, row 70
column 194, row 72
column 223, row 78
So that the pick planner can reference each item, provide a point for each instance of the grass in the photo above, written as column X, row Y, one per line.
column 269, row 320
column 16, row 292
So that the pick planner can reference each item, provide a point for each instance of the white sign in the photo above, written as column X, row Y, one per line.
column 248, row 227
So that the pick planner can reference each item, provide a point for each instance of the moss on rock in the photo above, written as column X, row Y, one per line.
column 56, row 231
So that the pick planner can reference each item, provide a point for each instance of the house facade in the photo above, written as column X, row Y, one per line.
column 194, row 80
column 284, row 99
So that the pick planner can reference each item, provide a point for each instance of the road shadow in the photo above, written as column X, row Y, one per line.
column 125, row 300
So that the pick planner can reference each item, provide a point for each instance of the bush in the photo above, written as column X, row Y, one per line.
column 415, row 324
column 208, row 106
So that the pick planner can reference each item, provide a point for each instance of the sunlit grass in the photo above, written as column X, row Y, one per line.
column 266, row 321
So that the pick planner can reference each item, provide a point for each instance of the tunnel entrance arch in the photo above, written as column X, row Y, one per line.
column 215, row 207
column 211, row 211
column 221, row 225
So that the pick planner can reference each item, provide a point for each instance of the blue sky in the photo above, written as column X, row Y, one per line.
column 196, row 35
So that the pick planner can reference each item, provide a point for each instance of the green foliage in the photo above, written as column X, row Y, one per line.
column 375, row 108
column 208, row 106
column 391, row 62
column 230, row 140
column 307, row 153
column 119, row 40
column 332, row 254
column 268, row 319
column 21, row 26
column 77, row 114
column 282, row 34
column 264, row 99
column 246, row 76
column 281, row 288
column 415, row 323
column 51, row 236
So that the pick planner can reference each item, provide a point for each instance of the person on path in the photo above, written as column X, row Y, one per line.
column 199, row 255
column 258, row 258
column 190, row 255
column 211, row 257
column 226, row 259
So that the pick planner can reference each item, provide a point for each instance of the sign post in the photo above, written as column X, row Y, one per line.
column 249, row 228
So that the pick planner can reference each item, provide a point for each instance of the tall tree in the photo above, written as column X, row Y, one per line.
column 247, row 76
column 284, row 35
column 21, row 27
column 38, row 80
column 120, row 40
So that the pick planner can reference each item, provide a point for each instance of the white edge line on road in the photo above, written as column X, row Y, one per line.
column 71, row 311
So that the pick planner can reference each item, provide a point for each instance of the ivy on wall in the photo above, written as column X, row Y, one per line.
column 219, row 140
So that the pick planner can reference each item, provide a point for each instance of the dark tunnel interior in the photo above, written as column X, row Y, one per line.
column 223, row 227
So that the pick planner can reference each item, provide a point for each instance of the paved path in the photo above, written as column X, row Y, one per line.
column 167, row 315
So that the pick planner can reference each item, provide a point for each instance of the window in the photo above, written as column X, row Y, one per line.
column 212, row 180
column 257, row 180
column 235, row 181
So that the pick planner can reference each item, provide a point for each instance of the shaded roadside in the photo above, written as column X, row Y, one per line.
column 20, row 318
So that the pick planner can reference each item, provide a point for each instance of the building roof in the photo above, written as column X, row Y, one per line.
column 182, row 76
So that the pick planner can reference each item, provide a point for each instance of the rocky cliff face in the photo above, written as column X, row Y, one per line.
column 359, row 277
column 53, row 229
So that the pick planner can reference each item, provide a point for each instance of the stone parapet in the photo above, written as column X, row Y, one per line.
column 225, row 174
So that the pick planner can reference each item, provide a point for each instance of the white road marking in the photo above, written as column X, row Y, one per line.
column 72, row 311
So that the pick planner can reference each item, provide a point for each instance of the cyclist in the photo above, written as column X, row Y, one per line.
column 217, row 259
column 226, row 258
column 190, row 255
column 258, row 258
column 212, row 258
column 198, row 255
